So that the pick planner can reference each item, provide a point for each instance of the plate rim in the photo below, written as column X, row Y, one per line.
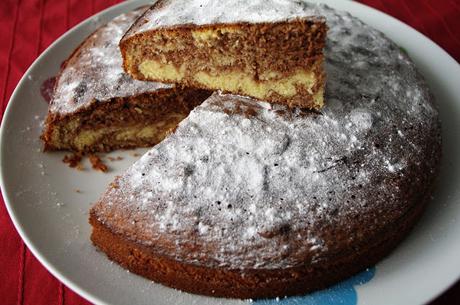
column 124, row 6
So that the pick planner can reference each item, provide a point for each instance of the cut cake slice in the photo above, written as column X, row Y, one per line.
column 270, row 50
column 97, row 107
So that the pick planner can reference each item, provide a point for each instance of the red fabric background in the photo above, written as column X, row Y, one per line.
column 27, row 27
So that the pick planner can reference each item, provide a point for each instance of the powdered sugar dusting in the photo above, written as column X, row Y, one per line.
column 95, row 73
column 248, row 184
column 170, row 13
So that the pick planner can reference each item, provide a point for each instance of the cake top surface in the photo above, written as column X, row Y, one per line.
column 94, row 71
column 172, row 13
column 247, row 184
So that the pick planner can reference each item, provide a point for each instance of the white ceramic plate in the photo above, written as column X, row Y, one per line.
column 51, row 217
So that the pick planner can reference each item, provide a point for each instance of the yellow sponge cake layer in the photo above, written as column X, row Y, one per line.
column 297, row 86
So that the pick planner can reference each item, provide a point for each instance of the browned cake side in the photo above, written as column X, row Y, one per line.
column 256, row 283
column 279, row 62
column 124, row 122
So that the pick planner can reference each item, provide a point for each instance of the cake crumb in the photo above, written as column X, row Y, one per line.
column 170, row 131
column 97, row 163
column 118, row 158
column 136, row 155
column 78, row 191
column 250, row 112
column 114, row 185
column 73, row 160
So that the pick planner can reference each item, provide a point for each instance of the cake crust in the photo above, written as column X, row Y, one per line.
column 248, row 284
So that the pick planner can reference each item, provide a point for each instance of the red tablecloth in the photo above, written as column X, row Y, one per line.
column 27, row 27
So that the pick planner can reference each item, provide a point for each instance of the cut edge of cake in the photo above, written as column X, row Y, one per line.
column 123, row 122
column 279, row 62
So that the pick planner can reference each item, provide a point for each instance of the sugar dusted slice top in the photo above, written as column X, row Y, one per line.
column 93, row 72
column 270, row 50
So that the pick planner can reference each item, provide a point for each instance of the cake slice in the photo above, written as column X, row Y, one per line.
column 97, row 107
column 267, row 49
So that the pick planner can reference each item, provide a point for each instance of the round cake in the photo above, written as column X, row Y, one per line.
column 247, row 199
